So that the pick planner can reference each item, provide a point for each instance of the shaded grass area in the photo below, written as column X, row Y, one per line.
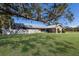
column 40, row 44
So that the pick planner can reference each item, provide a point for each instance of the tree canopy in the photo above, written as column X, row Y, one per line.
column 36, row 11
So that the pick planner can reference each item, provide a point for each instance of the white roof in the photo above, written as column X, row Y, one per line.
column 51, row 26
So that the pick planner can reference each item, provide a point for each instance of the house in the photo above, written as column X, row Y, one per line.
column 37, row 29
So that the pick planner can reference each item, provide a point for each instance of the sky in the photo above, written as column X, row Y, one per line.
column 28, row 21
column 74, row 7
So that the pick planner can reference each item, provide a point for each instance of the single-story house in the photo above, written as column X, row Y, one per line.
column 31, row 28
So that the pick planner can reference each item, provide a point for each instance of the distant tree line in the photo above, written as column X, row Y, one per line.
column 72, row 29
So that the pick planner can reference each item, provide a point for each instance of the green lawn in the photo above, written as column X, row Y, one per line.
column 40, row 44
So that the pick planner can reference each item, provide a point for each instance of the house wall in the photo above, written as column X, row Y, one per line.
column 20, row 31
column 33, row 31
column 51, row 30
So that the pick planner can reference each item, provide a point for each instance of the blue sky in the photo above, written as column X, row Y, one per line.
column 28, row 21
column 74, row 7
column 75, row 10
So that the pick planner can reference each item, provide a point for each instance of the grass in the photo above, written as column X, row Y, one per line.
column 40, row 44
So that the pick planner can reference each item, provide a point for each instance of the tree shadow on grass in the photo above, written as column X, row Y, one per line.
column 65, row 44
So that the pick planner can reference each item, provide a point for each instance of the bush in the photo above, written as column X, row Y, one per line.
column 63, row 30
